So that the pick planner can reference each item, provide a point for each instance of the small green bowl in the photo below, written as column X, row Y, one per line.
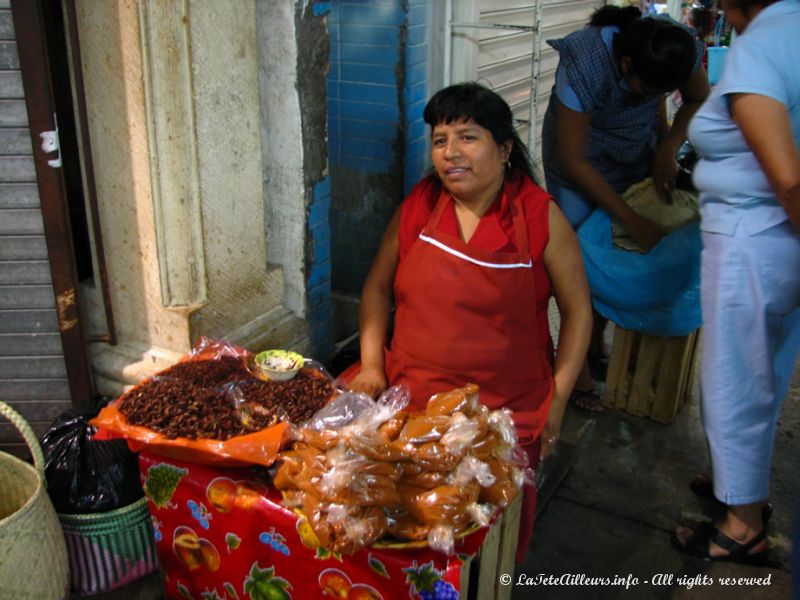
column 278, row 365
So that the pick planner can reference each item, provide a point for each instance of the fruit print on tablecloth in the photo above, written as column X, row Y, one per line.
column 274, row 540
column 427, row 583
column 232, row 541
column 200, row 513
column 193, row 551
column 161, row 482
column 335, row 583
column 377, row 566
column 264, row 584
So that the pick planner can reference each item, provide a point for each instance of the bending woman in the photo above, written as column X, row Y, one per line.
column 470, row 259
column 605, row 127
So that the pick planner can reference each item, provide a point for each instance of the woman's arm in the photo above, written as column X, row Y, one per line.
column 665, row 166
column 564, row 265
column 572, row 139
column 375, row 311
column 767, row 129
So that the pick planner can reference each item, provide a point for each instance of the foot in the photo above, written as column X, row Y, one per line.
column 588, row 400
column 721, row 543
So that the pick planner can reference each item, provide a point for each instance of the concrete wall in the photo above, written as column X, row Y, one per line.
column 293, row 41
column 313, row 60
column 377, row 143
column 173, row 99
column 112, row 64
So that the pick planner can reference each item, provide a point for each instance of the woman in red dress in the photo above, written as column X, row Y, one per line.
column 469, row 261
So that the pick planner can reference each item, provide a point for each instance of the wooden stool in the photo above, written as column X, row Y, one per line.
column 495, row 558
column 650, row 376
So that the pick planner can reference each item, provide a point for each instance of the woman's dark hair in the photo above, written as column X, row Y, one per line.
column 702, row 19
column 662, row 53
column 465, row 101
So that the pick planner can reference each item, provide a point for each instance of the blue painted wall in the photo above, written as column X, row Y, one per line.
column 318, row 294
column 416, row 92
column 377, row 142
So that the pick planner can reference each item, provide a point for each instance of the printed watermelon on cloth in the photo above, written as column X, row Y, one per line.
column 223, row 534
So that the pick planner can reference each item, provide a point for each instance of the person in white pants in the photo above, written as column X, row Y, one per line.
column 748, row 136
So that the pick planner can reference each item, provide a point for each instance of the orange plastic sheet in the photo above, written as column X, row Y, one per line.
column 260, row 447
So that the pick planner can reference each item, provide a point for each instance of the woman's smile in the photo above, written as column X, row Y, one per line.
column 467, row 159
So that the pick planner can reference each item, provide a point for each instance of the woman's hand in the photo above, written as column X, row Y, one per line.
column 552, row 428
column 645, row 232
column 370, row 381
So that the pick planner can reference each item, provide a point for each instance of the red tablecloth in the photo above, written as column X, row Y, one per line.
column 221, row 531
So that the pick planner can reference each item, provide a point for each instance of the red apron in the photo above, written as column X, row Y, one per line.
column 469, row 315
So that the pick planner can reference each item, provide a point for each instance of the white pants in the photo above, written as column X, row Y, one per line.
column 750, row 290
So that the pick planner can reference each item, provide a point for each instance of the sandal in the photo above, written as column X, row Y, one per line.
column 586, row 400
column 705, row 533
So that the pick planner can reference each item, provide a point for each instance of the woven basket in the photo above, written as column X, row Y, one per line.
column 33, row 555
column 109, row 549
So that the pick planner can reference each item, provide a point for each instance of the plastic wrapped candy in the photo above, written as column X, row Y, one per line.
column 433, row 456
column 425, row 479
column 471, row 469
column 461, row 435
column 422, row 428
column 362, row 469
column 502, row 422
column 320, row 439
column 442, row 538
column 506, row 485
column 392, row 427
column 359, row 529
column 352, row 479
column 374, row 445
column 445, row 504
column 488, row 447
column 301, row 469
column 460, row 400
column 406, row 527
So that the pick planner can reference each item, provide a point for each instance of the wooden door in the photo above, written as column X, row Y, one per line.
column 44, row 364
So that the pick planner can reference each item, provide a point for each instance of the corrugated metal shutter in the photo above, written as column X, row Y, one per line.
column 32, row 370
column 503, row 58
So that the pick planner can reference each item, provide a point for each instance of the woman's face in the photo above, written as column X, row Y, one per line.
column 637, row 86
column 469, row 162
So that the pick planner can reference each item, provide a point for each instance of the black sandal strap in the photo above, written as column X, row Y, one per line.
column 734, row 547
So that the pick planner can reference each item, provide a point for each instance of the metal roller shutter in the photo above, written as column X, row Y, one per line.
column 497, row 42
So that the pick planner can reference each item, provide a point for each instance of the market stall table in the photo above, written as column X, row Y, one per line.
column 225, row 531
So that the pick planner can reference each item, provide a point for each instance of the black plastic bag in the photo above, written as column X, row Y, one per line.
column 85, row 475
